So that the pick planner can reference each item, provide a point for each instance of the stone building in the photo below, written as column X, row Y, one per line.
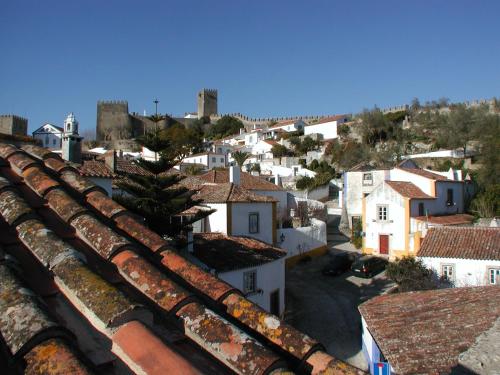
column 13, row 125
column 207, row 103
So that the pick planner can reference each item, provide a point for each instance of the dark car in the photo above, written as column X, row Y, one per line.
column 338, row 265
column 368, row 266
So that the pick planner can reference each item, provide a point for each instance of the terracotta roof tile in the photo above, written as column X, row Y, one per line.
column 228, row 192
column 461, row 242
column 7, row 150
column 457, row 219
column 21, row 161
column 237, row 350
column 408, row 190
column 39, row 152
column 39, row 181
column 428, row 330
column 247, row 181
column 424, row 173
column 54, row 357
column 324, row 364
column 95, row 168
column 324, row 120
column 225, row 253
column 12, row 208
column 166, row 281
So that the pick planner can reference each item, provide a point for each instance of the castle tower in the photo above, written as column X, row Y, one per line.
column 71, row 141
column 207, row 103
column 111, row 117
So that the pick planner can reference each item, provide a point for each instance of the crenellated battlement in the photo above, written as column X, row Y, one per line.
column 114, row 102
column 14, row 117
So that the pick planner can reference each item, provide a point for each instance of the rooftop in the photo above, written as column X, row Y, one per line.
column 456, row 219
column 462, row 242
column 101, row 276
column 325, row 120
column 228, row 192
column 425, row 332
column 226, row 253
column 424, row 173
column 408, row 190
column 247, row 181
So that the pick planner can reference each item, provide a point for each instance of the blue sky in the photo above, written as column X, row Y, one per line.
column 266, row 57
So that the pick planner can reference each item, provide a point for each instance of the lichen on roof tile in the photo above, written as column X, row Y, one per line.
column 77, row 182
column 65, row 206
column 38, row 180
column 285, row 336
column 224, row 341
column 43, row 243
column 21, row 319
column 38, row 152
column 4, row 184
column 21, row 161
column 7, row 150
column 12, row 206
column 58, row 165
column 54, row 357
column 93, row 296
column 104, row 204
column 150, row 281
column 140, row 232
column 103, row 239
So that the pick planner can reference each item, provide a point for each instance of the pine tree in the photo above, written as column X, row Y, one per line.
column 157, row 196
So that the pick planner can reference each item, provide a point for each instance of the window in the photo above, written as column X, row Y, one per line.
column 494, row 276
column 421, row 209
column 222, row 160
column 367, row 179
column 253, row 222
column 382, row 213
column 449, row 197
column 219, row 150
column 448, row 272
column 249, row 282
column 53, row 142
column 46, row 143
column 213, row 159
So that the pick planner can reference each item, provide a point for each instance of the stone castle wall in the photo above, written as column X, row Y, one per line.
column 13, row 125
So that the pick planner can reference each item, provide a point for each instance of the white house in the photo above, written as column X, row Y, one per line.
column 221, row 148
column 327, row 127
column 262, row 149
column 430, row 332
column 50, row 135
column 253, row 138
column 396, row 214
column 466, row 256
column 288, row 125
column 358, row 183
column 255, row 268
column 208, row 159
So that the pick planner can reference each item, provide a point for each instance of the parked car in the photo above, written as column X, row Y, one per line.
column 338, row 265
column 368, row 266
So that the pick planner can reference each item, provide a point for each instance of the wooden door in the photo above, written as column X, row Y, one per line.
column 274, row 302
column 383, row 240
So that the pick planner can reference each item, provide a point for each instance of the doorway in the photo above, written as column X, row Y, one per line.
column 274, row 302
column 383, row 240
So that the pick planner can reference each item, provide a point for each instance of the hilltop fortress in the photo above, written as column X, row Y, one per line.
column 115, row 122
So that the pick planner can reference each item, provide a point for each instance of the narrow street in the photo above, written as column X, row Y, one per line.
column 326, row 307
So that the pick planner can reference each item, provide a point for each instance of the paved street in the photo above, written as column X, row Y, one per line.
column 325, row 307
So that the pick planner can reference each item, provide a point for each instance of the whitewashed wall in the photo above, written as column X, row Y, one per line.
column 270, row 276
column 319, row 193
column 240, row 220
column 105, row 183
column 217, row 221
column 280, row 195
column 301, row 240
column 468, row 272
column 328, row 129
column 370, row 349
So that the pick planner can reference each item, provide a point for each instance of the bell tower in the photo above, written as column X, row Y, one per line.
column 71, row 141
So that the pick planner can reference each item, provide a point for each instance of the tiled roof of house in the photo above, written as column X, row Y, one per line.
column 408, row 190
column 424, row 173
column 228, row 192
column 324, row 120
column 226, row 253
column 462, row 242
column 95, row 168
column 102, row 276
column 456, row 219
column 247, row 181
column 270, row 142
column 283, row 123
column 424, row 332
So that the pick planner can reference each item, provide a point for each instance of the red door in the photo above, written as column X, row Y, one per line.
column 383, row 240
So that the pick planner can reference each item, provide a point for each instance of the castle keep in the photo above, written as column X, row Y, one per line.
column 13, row 125
column 207, row 103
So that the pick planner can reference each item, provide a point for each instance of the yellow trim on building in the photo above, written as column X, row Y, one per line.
column 417, row 240
column 433, row 188
column 292, row 261
column 368, row 251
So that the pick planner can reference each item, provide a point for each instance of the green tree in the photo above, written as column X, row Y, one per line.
column 240, row 157
column 183, row 141
column 156, row 196
column 410, row 274
column 225, row 126
column 279, row 151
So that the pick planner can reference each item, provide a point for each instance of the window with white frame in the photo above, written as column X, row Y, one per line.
column 382, row 212
column 367, row 179
column 448, row 272
column 494, row 276
column 253, row 222
column 249, row 282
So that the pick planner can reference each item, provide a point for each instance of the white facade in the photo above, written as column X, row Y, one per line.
column 210, row 160
column 270, row 277
column 289, row 126
column 105, row 183
column 327, row 129
column 466, row 272
column 262, row 149
column 297, row 241
column 240, row 220
column 358, row 184
column 370, row 349
column 50, row 136
column 252, row 138
column 221, row 148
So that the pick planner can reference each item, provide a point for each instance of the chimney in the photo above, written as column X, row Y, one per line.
column 277, row 179
column 242, row 130
column 110, row 160
column 234, row 174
